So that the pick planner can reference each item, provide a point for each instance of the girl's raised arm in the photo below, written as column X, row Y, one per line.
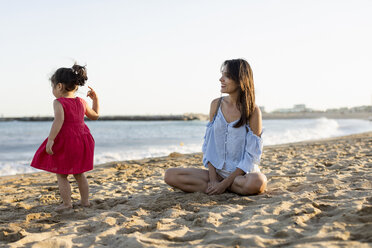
column 92, row 113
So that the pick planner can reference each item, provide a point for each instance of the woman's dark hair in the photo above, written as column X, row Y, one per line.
column 240, row 71
column 70, row 77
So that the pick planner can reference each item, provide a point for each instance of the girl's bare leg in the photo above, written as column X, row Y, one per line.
column 83, row 189
column 187, row 179
column 249, row 184
column 65, row 191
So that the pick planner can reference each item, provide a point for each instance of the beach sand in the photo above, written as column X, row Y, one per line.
column 319, row 195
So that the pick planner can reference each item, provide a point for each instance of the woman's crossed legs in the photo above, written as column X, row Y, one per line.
column 196, row 180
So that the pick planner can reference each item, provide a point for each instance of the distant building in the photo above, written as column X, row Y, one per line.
column 361, row 109
column 358, row 109
column 298, row 108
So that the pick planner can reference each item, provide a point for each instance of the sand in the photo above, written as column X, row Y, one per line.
column 319, row 195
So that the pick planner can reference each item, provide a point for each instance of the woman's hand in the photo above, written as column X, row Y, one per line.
column 211, row 185
column 92, row 94
column 49, row 146
column 216, row 188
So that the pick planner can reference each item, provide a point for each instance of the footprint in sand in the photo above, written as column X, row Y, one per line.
column 11, row 235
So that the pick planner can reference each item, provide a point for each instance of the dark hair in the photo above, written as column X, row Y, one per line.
column 240, row 71
column 70, row 77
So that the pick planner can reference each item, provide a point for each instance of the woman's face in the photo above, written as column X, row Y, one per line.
column 227, row 84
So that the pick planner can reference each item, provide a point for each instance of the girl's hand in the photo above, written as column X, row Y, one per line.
column 49, row 146
column 92, row 94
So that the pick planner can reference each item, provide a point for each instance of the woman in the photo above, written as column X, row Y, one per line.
column 232, row 144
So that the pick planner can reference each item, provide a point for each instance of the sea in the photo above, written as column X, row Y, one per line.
column 127, row 140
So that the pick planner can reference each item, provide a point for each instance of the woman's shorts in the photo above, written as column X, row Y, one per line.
column 224, row 173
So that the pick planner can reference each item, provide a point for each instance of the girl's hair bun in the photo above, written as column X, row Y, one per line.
column 81, row 74
column 70, row 77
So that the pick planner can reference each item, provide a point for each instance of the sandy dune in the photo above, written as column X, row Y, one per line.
column 319, row 195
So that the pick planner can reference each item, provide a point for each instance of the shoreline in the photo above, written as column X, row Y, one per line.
column 319, row 194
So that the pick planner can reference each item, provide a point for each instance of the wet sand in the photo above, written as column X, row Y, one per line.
column 319, row 195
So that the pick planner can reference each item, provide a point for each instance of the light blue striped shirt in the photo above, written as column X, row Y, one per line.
column 228, row 148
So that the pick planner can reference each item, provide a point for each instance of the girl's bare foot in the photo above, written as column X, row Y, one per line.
column 63, row 207
column 85, row 204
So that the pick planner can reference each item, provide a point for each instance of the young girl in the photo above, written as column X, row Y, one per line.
column 69, row 147
column 232, row 144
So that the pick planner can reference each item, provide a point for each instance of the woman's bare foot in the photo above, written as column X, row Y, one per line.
column 63, row 207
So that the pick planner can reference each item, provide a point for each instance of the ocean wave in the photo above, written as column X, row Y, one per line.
column 149, row 152
column 16, row 167
column 300, row 130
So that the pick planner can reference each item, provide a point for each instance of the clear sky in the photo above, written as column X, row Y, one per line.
column 164, row 57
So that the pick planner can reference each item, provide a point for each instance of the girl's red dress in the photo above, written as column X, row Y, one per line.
column 74, row 145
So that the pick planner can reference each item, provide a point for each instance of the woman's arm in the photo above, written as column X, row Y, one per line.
column 56, row 126
column 212, row 173
column 211, row 168
column 213, row 181
column 92, row 113
column 228, row 181
column 255, row 121
column 213, row 109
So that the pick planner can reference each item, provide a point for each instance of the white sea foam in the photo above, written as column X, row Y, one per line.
column 300, row 130
column 148, row 152
column 16, row 167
